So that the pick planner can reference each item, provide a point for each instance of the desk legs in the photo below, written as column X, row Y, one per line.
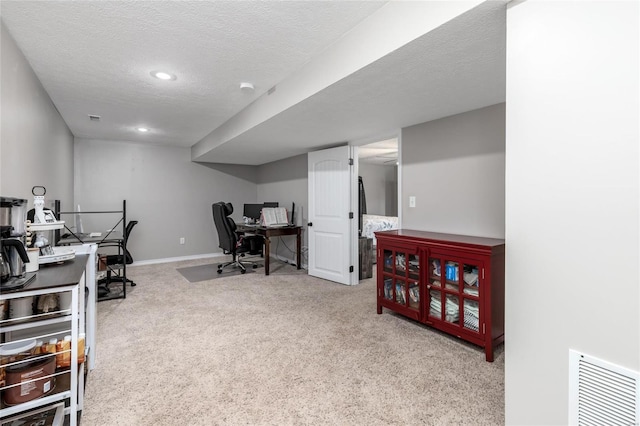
column 267, row 247
column 267, row 243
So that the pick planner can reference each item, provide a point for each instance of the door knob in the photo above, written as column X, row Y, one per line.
column 310, row 224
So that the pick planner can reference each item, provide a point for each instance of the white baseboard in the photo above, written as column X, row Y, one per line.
column 177, row 259
column 200, row 256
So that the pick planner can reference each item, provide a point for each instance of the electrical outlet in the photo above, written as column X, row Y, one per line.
column 412, row 201
column 181, row 240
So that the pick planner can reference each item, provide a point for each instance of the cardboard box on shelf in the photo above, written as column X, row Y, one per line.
column 102, row 263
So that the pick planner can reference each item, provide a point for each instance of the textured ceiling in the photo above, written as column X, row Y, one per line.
column 383, row 153
column 95, row 58
column 458, row 67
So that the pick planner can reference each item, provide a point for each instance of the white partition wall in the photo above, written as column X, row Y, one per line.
column 571, row 198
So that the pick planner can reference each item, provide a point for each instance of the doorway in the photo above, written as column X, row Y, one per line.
column 378, row 167
column 378, row 164
column 334, row 235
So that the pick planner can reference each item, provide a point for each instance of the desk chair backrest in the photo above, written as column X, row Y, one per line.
column 129, row 227
column 127, row 232
column 123, row 257
column 226, row 227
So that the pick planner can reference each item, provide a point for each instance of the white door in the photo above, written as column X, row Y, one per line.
column 332, row 234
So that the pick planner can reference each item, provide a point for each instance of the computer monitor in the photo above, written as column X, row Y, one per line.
column 293, row 212
column 270, row 204
column 252, row 211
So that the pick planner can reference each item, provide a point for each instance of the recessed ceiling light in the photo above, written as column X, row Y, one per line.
column 142, row 129
column 163, row 75
column 246, row 87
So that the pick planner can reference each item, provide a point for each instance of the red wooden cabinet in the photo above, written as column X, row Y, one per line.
column 454, row 283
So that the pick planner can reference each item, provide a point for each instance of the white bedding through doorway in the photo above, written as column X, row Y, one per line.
column 373, row 223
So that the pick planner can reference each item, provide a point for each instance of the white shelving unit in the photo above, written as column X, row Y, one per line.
column 69, row 277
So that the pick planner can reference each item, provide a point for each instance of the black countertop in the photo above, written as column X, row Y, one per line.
column 56, row 275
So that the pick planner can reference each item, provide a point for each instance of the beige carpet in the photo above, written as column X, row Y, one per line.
column 284, row 349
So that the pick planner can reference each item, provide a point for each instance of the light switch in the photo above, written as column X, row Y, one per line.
column 412, row 201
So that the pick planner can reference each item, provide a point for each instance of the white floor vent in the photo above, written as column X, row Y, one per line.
column 601, row 393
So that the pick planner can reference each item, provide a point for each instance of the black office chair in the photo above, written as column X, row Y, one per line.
column 232, row 242
column 123, row 256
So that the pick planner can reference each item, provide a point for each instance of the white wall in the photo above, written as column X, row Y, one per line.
column 572, row 198
column 285, row 181
column 380, row 188
column 168, row 194
column 36, row 147
column 454, row 167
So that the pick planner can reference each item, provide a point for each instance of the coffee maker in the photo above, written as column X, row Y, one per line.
column 12, row 238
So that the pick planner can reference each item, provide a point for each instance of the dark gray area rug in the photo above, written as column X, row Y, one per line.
column 195, row 274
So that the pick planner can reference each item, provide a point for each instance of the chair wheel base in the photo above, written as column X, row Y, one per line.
column 243, row 271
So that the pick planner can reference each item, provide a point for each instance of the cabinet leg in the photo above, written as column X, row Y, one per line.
column 488, row 353
column 379, row 309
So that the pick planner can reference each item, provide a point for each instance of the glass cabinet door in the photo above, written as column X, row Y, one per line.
column 414, row 266
column 451, row 275
column 435, row 272
column 401, row 292
column 452, row 283
column 471, row 283
column 472, row 315
column 471, row 295
column 388, row 288
column 434, row 284
column 454, row 291
column 414, row 295
column 401, row 279
column 435, row 304
column 388, row 261
column 452, row 308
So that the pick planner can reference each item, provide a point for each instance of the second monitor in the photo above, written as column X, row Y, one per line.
column 252, row 211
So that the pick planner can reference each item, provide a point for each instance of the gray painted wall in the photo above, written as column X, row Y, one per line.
column 285, row 181
column 572, row 209
column 168, row 194
column 36, row 147
column 380, row 188
column 454, row 167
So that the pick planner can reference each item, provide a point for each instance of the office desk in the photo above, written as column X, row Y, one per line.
column 106, row 237
column 110, row 239
column 268, row 232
